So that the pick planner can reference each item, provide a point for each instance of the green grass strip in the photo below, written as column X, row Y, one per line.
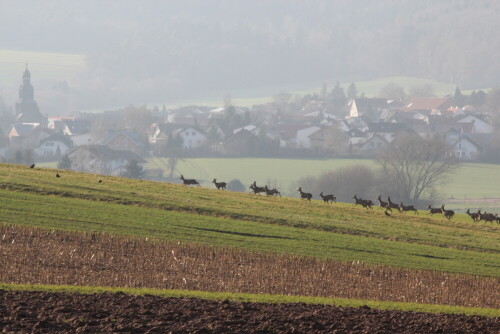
column 261, row 298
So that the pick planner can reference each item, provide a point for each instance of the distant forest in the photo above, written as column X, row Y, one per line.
column 161, row 49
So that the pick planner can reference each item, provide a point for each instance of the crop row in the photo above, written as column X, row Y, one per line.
column 37, row 256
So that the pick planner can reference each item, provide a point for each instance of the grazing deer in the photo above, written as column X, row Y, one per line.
column 304, row 195
column 219, row 185
column 448, row 214
column 432, row 210
column 382, row 204
column 391, row 204
column 474, row 215
column 328, row 198
column 256, row 189
column 406, row 208
column 272, row 192
column 188, row 182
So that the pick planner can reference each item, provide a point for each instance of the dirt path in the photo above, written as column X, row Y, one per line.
column 41, row 312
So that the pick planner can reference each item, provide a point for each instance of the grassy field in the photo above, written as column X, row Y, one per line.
column 471, row 181
column 262, row 298
column 173, row 212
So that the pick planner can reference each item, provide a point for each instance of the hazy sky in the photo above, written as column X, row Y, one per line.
column 165, row 51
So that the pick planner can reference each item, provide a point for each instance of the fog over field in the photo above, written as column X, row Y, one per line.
column 135, row 52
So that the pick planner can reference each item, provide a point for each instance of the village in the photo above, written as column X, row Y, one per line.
column 325, row 125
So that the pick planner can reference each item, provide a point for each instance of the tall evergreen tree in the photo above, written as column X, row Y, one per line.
column 65, row 162
column 352, row 91
column 133, row 170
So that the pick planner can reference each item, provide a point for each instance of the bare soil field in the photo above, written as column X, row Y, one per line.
column 44, row 312
column 36, row 256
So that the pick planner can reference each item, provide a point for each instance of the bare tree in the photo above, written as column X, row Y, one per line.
column 415, row 165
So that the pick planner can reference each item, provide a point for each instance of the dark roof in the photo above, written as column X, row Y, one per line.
column 363, row 104
column 78, row 127
column 106, row 153
column 383, row 127
column 23, row 129
column 58, row 137
column 133, row 136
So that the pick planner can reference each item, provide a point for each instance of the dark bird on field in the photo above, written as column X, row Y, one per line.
column 387, row 213
column 57, row 175
column 32, row 166
column 100, row 181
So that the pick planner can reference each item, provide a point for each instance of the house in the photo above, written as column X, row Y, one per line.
column 462, row 147
column 19, row 131
column 436, row 105
column 53, row 147
column 243, row 143
column 303, row 136
column 369, row 108
column 481, row 126
column 192, row 137
column 79, row 131
column 373, row 145
column 100, row 159
column 125, row 140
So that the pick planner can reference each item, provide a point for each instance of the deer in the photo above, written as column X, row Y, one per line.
column 272, row 192
column 256, row 189
column 432, row 210
column 474, row 215
column 487, row 217
column 304, row 195
column 367, row 204
column 328, row 198
column 391, row 204
column 448, row 214
column 406, row 208
column 382, row 204
column 219, row 185
column 188, row 182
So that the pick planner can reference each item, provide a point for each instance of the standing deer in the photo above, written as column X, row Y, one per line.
column 188, row 182
column 391, row 204
column 304, row 195
column 474, row 215
column 328, row 198
column 219, row 185
column 448, row 214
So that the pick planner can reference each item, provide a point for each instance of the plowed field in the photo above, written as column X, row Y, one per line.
column 44, row 312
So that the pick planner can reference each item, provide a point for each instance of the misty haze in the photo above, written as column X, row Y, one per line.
column 274, row 166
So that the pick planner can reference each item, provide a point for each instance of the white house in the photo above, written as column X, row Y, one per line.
column 480, row 125
column 101, row 159
column 303, row 140
column 79, row 132
column 53, row 147
column 192, row 137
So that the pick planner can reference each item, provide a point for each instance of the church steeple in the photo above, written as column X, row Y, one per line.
column 26, row 91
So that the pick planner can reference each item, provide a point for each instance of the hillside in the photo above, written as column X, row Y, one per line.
column 77, row 201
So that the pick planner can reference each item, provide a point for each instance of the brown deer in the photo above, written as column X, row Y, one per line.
column 382, row 204
column 474, row 215
column 391, row 204
column 448, row 214
column 256, row 189
column 304, row 195
column 188, row 182
column 367, row 204
column 219, row 185
column 432, row 210
column 487, row 217
column 272, row 192
column 406, row 208
column 328, row 198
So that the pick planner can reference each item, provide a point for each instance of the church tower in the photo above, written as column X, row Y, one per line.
column 26, row 108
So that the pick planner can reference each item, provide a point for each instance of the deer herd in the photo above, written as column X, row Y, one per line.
column 387, row 205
